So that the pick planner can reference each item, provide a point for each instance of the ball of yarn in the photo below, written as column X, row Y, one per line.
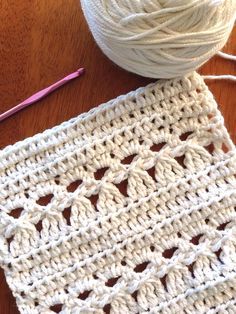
column 160, row 38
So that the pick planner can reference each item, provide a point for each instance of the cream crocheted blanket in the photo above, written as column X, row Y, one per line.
column 129, row 208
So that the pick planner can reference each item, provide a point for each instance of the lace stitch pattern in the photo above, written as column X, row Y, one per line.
column 129, row 208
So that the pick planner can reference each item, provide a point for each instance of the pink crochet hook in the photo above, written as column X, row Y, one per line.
column 39, row 95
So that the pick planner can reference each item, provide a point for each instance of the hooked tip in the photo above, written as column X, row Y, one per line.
column 81, row 71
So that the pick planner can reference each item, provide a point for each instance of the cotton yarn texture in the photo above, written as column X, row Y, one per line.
column 160, row 38
column 129, row 208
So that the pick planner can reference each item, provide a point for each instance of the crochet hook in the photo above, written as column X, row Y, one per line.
column 39, row 95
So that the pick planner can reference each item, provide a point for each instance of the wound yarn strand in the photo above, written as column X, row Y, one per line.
column 160, row 38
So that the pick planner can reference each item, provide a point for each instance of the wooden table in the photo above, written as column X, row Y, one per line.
column 41, row 42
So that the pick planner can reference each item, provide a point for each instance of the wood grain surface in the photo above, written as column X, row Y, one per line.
column 41, row 42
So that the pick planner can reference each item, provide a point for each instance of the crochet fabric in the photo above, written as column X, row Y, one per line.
column 129, row 208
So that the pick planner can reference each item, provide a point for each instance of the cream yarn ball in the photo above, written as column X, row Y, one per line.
column 160, row 38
